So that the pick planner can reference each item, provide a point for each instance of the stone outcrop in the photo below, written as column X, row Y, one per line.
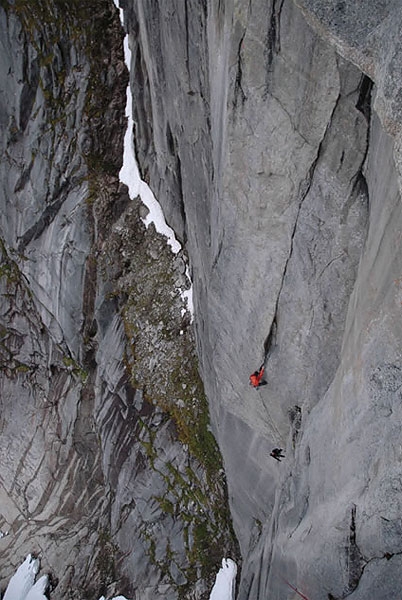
column 270, row 132
column 109, row 472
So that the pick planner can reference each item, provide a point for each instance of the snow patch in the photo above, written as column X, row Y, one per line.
column 115, row 598
column 37, row 591
column 22, row 584
column 129, row 174
column 224, row 588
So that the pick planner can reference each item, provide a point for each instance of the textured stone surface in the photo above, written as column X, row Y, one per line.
column 108, row 469
column 287, row 162
column 270, row 133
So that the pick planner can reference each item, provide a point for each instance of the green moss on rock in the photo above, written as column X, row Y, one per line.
column 161, row 360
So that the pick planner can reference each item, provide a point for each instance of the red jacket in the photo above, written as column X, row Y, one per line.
column 256, row 377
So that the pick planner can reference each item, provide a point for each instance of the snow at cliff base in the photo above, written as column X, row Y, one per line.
column 22, row 584
column 224, row 588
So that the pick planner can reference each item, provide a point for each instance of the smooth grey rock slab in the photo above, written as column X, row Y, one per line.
column 291, row 222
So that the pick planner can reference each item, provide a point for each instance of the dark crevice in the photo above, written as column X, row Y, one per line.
column 363, row 103
column 304, row 189
column 220, row 246
column 238, row 89
column 387, row 556
column 44, row 220
column 31, row 72
column 273, row 39
column 341, row 161
column 170, row 140
column 90, row 326
column 239, row 92
column 24, row 178
column 359, row 186
column 187, row 42
column 271, row 337
column 355, row 562
column 142, row 115
column 354, row 559
column 181, row 199
column 364, row 106
column 174, row 153
column 272, row 46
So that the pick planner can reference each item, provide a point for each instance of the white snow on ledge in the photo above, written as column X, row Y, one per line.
column 22, row 584
column 224, row 588
column 129, row 174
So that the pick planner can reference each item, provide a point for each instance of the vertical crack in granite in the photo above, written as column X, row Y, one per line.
column 187, row 34
column 291, row 236
column 45, row 219
column 272, row 44
column 304, row 189
column 349, row 167
column 364, row 100
column 238, row 88
column 181, row 199
column 30, row 78
column 344, row 202
column 354, row 559
column 364, row 105
column 173, row 148
column 218, row 251
column 270, row 340
column 239, row 95
column 143, row 119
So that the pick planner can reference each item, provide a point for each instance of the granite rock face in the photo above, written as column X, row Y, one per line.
column 271, row 133
column 109, row 472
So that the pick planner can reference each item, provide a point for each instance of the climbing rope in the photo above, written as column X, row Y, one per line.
column 294, row 589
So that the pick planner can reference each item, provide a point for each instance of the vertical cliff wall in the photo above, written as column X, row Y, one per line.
column 109, row 472
column 270, row 131
column 271, row 134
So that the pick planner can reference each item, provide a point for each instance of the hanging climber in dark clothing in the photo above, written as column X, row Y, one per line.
column 277, row 454
column 256, row 378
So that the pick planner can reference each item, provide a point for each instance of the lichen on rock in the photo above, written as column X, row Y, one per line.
column 110, row 471
column 160, row 359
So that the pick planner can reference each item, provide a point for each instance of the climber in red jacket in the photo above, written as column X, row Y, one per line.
column 256, row 378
